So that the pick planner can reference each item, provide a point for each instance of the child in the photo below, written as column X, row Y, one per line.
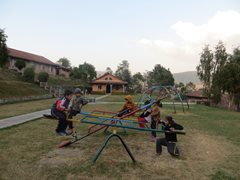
column 155, row 119
column 128, row 106
column 170, row 138
column 145, row 117
column 75, row 107
column 57, row 111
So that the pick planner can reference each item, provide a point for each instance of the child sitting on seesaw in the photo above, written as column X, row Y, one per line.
column 127, row 107
column 75, row 107
column 58, row 111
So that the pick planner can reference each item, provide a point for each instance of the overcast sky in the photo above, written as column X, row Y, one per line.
column 105, row 32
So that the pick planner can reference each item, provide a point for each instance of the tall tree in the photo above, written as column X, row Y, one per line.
column 205, row 69
column 109, row 70
column 220, row 60
column 124, row 73
column 161, row 76
column 230, row 77
column 3, row 48
column 138, row 81
column 65, row 62
column 85, row 72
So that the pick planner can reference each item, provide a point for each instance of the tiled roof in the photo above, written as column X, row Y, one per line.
column 114, row 79
column 30, row 57
column 197, row 93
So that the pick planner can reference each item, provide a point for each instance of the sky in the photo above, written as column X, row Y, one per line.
column 105, row 32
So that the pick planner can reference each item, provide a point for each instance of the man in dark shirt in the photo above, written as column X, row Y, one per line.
column 170, row 137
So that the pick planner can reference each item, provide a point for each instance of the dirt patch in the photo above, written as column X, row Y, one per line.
column 201, row 155
column 62, row 156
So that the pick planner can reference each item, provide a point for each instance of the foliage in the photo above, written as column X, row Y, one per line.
column 20, row 64
column 109, row 70
column 65, row 62
column 205, row 68
column 230, row 77
column 43, row 77
column 29, row 74
column 124, row 73
column 160, row 76
column 220, row 60
column 138, row 82
column 3, row 48
column 85, row 72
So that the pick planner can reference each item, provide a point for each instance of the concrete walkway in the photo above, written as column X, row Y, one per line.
column 7, row 122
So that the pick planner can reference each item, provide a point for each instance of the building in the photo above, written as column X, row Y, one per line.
column 108, row 83
column 198, row 97
column 39, row 63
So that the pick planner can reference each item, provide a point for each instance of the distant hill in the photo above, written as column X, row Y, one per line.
column 185, row 77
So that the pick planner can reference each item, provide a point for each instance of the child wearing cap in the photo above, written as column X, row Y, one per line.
column 75, row 107
column 170, row 137
column 128, row 106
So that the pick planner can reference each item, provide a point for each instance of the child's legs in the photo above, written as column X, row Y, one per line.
column 160, row 142
column 172, row 149
column 62, row 122
column 153, row 126
column 141, row 122
column 72, row 113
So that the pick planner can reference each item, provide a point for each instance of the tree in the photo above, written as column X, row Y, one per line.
column 43, row 76
column 20, row 64
column 29, row 74
column 190, row 87
column 3, row 48
column 124, row 73
column 85, row 72
column 220, row 60
column 138, row 81
column 160, row 76
column 64, row 62
column 230, row 77
column 109, row 70
column 205, row 68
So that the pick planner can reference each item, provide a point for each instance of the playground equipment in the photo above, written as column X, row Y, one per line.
column 103, row 120
column 163, row 92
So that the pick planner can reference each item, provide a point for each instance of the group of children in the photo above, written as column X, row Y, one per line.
column 152, row 116
column 70, row 105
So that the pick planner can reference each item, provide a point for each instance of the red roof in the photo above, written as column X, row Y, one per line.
column 198, row 93
column 108, row 78
column 30, row 57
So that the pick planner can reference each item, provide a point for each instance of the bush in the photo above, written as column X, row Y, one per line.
column 29, row 74
column 20, row 64
column 43, row 77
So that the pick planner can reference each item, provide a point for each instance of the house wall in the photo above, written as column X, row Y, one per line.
column 115, row 88
column 64, row 73
column 51, row 70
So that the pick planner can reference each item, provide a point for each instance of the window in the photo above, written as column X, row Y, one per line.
column 106, row 78
column 99, row 87
column 110, row 78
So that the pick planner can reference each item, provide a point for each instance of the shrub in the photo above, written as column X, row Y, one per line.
column 43, row 77
column 20, row 64
column 29, row 74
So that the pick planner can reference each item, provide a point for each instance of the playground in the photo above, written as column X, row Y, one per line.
column 209, row 150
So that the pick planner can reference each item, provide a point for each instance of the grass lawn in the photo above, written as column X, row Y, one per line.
column 209, row 150
column 9, row 110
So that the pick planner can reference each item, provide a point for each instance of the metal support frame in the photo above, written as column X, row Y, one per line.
column 105, row 143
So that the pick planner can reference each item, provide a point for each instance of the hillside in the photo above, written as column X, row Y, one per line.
column 185, row 77
column 12, row 85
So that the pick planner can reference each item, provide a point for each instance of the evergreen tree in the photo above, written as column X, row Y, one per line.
column 3, row 48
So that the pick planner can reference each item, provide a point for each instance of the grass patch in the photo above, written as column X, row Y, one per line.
column 9, row 110
column 29, row 151
column 12, row 85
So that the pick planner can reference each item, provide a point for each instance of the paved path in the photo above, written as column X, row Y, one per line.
column 22, row 118
column 7, row 122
